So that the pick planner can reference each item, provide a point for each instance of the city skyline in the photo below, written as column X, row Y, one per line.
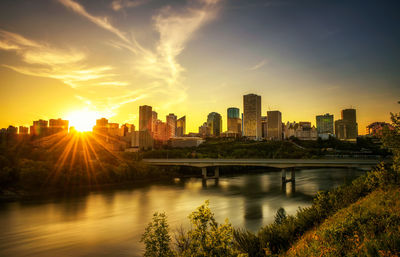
column 149, row 121
column 111, row 57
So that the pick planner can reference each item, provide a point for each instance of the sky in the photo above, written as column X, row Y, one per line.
column 193, row 57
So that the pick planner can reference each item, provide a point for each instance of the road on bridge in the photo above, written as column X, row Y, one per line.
column 276, row 163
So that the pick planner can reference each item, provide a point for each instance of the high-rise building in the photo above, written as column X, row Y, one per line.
column 142, row 140
column 204, row 130
column 145, row 118
column 11, row 130
column 325, row 125
column 234, row 121
column 264, row 126
column 347, row 127
column 39, row 128
column 214, row 121
column 252, row 116
column 58, row 126
column 161, row 131
column 274, row 125
column 154, row 118
column 171, row 123
column 181, row 126
column 101, row 127
column 23, row 130
column 113, row 129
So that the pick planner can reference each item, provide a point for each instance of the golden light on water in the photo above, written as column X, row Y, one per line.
column 83, row 120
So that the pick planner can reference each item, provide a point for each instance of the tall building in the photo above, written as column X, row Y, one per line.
column 274, row 125
column 204, row 130
column 23, row 130
column 171, row 123
column 113, row 129
column 234, row 121
column 154, row 118
column 264, row 126
column 58, row 126
column 252, row 116
column 145, row 118
column 181, row 126
column 325, row 125
column 214, row 121
column 161, row 131
column 347, row 127
column 142, row 140
column 101, row 127
column 39, row 128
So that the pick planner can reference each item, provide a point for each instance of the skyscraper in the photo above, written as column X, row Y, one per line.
column 347, row 127
column 264, row 126
column 181, row 126
column 145, row 118
column 252, row 116
column 154, row 118
column 214, row 121
column 325, row 125
column 274, row 125
column 39, row 128
column 234, row 122
column 57, row 126
column 171, row 123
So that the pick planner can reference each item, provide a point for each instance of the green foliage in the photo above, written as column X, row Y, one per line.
column 369, row 227
column 247, row 242
column 156, row 237
column 205, row 238
column 280, row 216
column 279, row 236
column 391, row 140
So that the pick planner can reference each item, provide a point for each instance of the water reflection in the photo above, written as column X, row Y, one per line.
column 110, row 223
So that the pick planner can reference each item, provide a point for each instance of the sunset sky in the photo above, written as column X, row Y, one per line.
column 107, row 57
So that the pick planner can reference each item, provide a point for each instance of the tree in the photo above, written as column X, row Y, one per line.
column 205, row 238
column 391, row 140
column 280, row 216
column 156, row 237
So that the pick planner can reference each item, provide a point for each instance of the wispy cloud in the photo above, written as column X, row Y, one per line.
column 117, row 5
column 43, row 60
column 158, row 67
column 258, row 65
column 100, row 21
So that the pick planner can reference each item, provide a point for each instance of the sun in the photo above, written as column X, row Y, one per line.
column 82, row 120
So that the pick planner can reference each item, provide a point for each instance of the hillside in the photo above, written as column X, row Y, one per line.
column 368, row 227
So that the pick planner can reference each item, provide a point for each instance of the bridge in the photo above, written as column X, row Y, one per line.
column 275, row 163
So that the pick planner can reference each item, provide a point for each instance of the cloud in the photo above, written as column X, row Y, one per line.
column 117, row 5
column 99, row 21
column 40, row 59
column 258, row 65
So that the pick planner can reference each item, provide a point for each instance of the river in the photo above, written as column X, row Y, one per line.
column 111, row 222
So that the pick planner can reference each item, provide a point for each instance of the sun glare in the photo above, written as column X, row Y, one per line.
column 83, row 120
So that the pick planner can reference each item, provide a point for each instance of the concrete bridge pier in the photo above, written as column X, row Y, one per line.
column 205, row 176
column 292, row 176
column 283, row 177
column 204, row 172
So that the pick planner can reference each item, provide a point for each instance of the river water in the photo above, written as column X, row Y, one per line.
column 111, row 222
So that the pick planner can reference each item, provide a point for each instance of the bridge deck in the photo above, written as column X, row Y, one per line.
column 276, row 163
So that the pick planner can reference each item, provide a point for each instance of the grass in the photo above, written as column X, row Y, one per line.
column 368, row 227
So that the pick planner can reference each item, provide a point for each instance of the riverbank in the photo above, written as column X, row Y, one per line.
column 369, row 227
